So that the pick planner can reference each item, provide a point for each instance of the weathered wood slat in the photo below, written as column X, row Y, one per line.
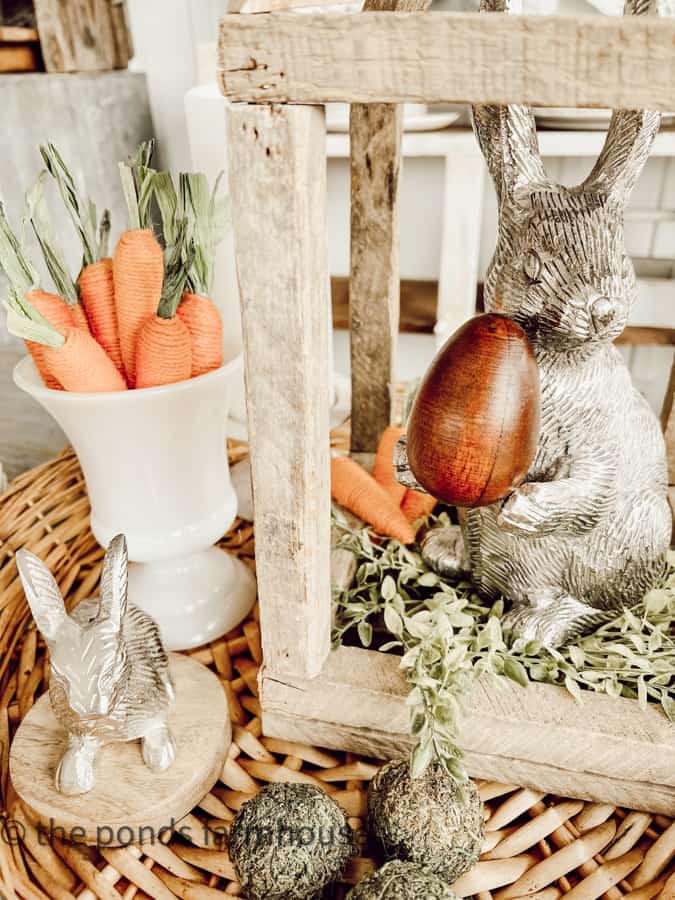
column 668, row 424
column 449, row 57
column 604, row 749
column 375, row 134
column 76, row 36
column 374, row 293
column 277, row 171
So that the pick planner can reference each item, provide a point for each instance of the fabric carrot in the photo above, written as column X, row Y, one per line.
column 164, row 346
column 40, row 220
column 356, row 490
column 138, row 265
column 417, row 505
column 205, row 327
column 383, row 467
column 81, row 364
column 58, row 314
column 95, row 281
column 206, row 221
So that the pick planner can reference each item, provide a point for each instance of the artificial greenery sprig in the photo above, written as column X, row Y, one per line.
column 138, row 186
column 81, row 209
column 178, row 258
column 38, row 216
column 447, row 635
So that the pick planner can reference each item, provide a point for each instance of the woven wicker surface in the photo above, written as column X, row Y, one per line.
column 554, row 841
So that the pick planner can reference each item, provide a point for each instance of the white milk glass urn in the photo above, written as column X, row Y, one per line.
column 155, row 463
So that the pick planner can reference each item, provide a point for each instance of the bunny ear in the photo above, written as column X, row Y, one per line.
column 42, row 593
column 113, row 603
column 507, row 135
column 631, row 132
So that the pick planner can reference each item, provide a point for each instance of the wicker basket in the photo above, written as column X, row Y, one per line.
column 47, row 510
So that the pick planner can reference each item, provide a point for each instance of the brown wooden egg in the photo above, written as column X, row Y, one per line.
column 474, row 427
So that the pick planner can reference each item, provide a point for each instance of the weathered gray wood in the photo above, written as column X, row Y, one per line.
column 374, row 286
column 375, row 139
column 449, row 57
column 76, row 36
column 603, row 749
column 121, row 33
column 668, row 424
column 277, row 171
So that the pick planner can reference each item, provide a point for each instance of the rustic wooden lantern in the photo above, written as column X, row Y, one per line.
column 275, row 69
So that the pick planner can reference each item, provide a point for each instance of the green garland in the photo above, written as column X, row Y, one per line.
column 447, row 635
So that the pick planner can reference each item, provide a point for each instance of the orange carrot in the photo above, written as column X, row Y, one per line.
column 163, row 352
column 57, row 312
column 80, row 317
column 138, row 272
column 81, row 364
column 356, row 490
column 202, row 319
column 417, row 505
column 97, row 292
column 383, row 467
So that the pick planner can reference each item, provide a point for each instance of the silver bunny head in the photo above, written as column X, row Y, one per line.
column 560, row 268
column 109, row 671
column 87, row 652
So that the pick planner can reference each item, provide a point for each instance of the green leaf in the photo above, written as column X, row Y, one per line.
column 668, row 704
column 573, row 687
column 421, row 758
column 388, row 588
column 393, row 621
column 365, row 630
column 516, row 671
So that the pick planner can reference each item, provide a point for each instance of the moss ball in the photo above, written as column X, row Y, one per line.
column 288, row 842
column 402, row 881
column 431, row 820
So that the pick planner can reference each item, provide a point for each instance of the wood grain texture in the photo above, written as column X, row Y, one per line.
column 374, row 290
column 128, row 796
column 668, row 424
column 603, row 749
column 375, row 135
column 277, row 171
column 76, row 36
column 375, row 57
column 18, row 35
column 474, row 427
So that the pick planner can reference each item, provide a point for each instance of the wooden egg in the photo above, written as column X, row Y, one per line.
column 474, row 427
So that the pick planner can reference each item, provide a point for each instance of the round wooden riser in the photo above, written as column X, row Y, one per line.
column 129, row 803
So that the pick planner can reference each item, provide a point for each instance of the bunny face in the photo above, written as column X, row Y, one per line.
column 561, row 268
column 87, row 663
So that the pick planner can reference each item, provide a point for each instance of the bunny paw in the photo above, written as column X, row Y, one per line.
column 75, row 773
column 526, row 511
column 159, row 748
column 443, row 550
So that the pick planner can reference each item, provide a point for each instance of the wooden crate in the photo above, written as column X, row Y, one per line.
column 274, row 69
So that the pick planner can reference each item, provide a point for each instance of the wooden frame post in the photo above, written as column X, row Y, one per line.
column 374, row 287
column 277, row 172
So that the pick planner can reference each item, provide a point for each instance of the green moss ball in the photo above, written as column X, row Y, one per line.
column 288, row 842
column 430, row 820
column 398, row 880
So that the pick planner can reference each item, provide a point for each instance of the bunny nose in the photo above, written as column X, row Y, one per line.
column 602, row 312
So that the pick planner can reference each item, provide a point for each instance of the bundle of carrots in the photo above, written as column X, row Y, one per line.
column 142, row 318
column 379, row 499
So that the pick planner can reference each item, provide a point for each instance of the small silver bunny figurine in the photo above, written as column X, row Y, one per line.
column 109, row 679
column 587, row 533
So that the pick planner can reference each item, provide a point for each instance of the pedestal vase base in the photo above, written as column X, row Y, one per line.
column 194, row 599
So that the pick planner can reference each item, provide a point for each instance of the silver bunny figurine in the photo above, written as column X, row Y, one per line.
column 109, row 679
column 587, row 533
